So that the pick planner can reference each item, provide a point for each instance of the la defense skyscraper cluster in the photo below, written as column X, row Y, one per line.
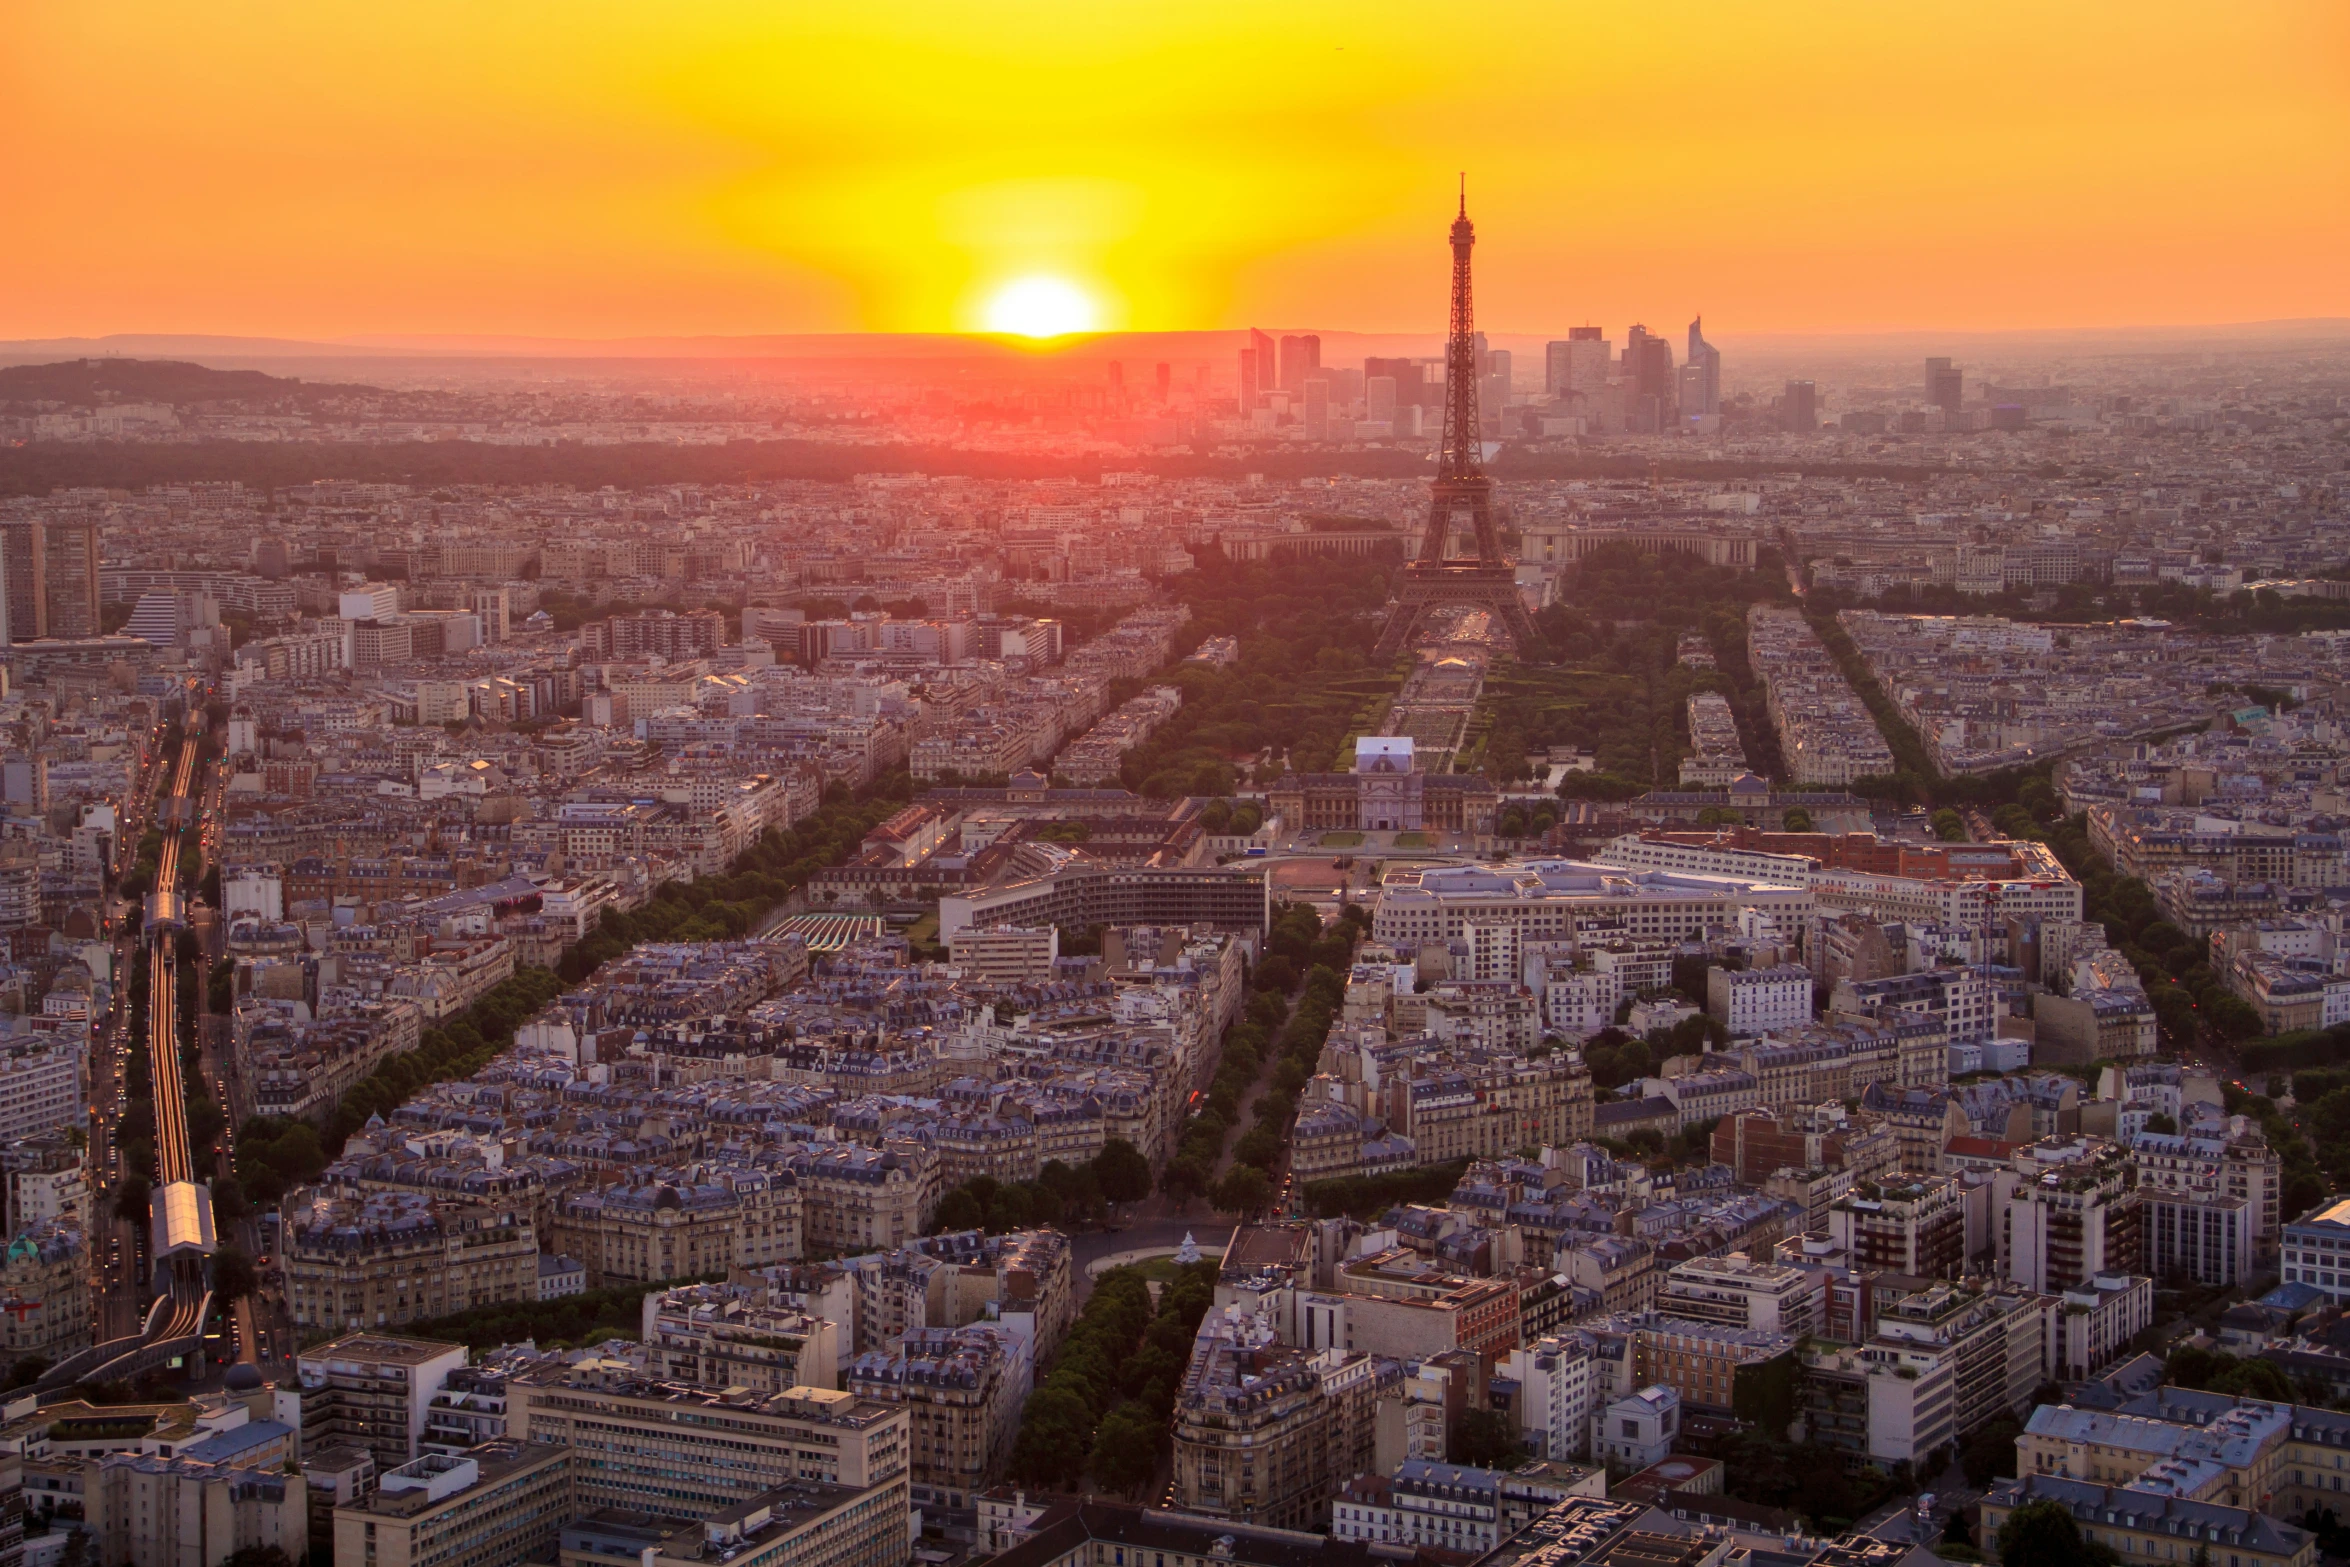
column 1433, row 580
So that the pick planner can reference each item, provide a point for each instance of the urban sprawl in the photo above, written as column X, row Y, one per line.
column 930, row 1015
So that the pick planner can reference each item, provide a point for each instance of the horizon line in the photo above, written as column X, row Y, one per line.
column 753, row 345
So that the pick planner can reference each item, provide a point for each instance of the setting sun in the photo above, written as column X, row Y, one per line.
column 1041, row 307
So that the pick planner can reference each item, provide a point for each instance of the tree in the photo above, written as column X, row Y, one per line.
column 1990, row 1452
column 1487, row 1439
column 1949, row 826
column 1244, row 1189
column 2159, row 1122
column 259, row 1556
column 232, row 1275
column 131, row 1199
column 1126, row 1448
column 1795, row 819
column 1051, row 1448
column 959, row 1210
column 2043, row 1534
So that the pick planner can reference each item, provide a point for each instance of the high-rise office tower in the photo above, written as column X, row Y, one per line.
column 69, row 584
column 1691, row 394
column 1799, row 411
column 1263, row 355
column 1117, row 376
column 1589, row 358
column 1316, row 392
column 1379, row 399
column 1248, row 379
column 24, row 576
column 1554, row 369
column 1945, row 385
column 1707, row 360
column 1648, row 365
column 1410, row 391
column 1300, row 357
column 1164, row 376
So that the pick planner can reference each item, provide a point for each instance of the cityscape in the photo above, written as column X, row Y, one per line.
column 1025, row 924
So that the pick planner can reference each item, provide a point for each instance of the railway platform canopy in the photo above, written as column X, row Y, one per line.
column 181, row 1221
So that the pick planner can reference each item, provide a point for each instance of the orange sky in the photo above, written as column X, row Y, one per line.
column 580, row 169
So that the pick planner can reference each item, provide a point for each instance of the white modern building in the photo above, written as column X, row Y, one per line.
column 1546, row 899
column 2317, row 1250
column 1757, row 1001
column 1555, row 1378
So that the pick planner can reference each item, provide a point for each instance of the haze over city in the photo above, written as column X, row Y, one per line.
column 1083, row 786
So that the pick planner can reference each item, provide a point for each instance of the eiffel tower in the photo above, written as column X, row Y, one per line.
column 1432, row 582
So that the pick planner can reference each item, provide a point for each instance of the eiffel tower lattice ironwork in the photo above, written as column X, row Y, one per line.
column 1432, row 581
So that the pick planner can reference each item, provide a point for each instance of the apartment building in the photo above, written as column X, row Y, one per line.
column 2316, row 1250
column 963, row 1389
column 367, row 1390
column 1006, row 954
column 45, row 1290
column 41, row 1089
column 1915, row 1227
column 1887, row 1403
column 858, row 1199
column 682, row 1452
column 712, row 1336
column 501, row 1504
column 1752, row 1002
column 382, row 1259
column 1622, row 1270
column 2231, row 1457
column 2156, row 1526
column 1701, row 1362
column 1739, row 1291
column 1556, row 1380
column 2066, row 1213
column 183, row 1512
column 2097, row 1319
column 676, row 1225
column 1265, row 1435
column 1998, row 1343
column 806, row 1522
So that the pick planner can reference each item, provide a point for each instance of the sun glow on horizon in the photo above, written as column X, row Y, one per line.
column 1053, row 167
column 1041, row 306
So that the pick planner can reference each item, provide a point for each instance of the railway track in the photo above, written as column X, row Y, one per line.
column 174, row 1159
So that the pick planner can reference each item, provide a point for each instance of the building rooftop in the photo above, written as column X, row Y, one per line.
column 381, row 1349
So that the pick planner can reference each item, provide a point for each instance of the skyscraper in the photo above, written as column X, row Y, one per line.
column 1300, row 357
column 1648, row 365
column 1261, row 354
column 1405, row 373
column 1945, row 385
column 1165, row 377
column 70, row 581
column 1493, row 389
column 1707, row 361
column 24, row 577
column 1588, row 358
column 1799, row 411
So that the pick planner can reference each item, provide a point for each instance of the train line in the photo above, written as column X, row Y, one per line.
column 183, row 1207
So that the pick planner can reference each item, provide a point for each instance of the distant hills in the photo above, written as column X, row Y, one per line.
column 86, row 383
